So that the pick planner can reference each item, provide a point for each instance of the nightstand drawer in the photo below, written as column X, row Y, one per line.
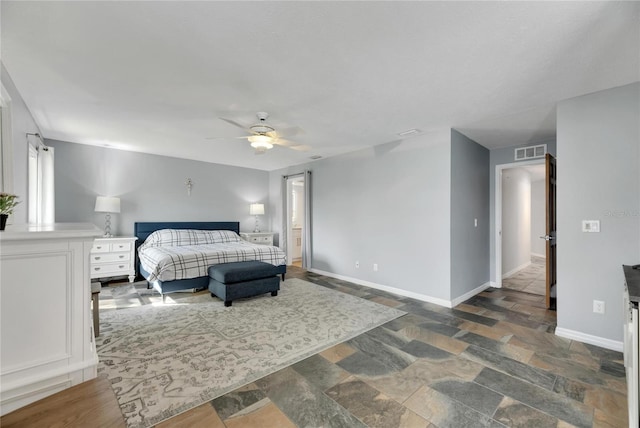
column 101, row 248
column 108, row 269
column 110, row 257
column 121, row 246
column 260, row 239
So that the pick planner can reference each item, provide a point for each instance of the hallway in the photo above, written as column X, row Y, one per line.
column 530, row 279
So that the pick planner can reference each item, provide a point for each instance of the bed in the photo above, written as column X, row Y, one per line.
column 175, row 256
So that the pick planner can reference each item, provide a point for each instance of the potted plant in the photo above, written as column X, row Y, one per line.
column 7, row 203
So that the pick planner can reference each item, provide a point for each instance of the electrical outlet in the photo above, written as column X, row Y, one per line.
column 357, row 264
column 598, row 306
column 375, row 267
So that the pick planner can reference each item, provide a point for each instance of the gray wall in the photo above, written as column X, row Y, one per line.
column 388, row 205
column 469, row 201
column 21, row 123
column 152, row 188
column 516, row 221
column 501, row 157
column 538, row 217
column 598, row 163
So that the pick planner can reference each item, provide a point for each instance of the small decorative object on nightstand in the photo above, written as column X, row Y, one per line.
column 113, row 257
column 263, row 238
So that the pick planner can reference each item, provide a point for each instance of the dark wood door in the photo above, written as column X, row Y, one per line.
column 550, row 193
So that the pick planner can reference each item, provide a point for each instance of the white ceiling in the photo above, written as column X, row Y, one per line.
column 155, row 76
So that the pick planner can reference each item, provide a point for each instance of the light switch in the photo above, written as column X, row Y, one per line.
column 591, row 226
column 475, row 222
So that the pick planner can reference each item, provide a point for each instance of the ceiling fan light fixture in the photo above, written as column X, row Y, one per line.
column 260, row 142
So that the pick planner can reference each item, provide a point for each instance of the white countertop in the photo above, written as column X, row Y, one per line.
column 16, row 232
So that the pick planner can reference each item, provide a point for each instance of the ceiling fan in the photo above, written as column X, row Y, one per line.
column 263, row 136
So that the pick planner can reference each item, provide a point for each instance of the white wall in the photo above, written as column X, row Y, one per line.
column 516, row 220
column 152, row 188
column 538, row 218
column 21, row 123
column 598, row 164
column 388, row 205
column 469, row 215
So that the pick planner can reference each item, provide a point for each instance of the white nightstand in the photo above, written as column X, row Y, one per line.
column 113, row 257
column 262, row 238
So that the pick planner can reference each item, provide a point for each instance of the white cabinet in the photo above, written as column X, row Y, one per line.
column 113, row 257
column 262, row 238
column 46, row 339
column 296, row 248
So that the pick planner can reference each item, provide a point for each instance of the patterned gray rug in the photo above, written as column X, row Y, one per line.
column 163, row 360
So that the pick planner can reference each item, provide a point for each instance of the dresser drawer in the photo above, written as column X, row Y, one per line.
column 109, row 269
column 100, row 258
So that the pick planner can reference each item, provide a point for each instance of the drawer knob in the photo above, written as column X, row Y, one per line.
column 122, row 257
column 97, row 258
column 97, row 268
column 121, row 266
column 99, row 248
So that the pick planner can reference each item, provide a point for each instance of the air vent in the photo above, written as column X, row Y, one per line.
column 532, row 152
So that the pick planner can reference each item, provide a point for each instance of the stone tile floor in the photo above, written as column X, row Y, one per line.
column 492, row 361
column 531, row 279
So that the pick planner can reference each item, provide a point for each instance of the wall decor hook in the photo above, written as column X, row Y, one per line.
column 189, row 185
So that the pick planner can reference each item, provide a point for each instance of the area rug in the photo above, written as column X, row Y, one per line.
column 163, row 360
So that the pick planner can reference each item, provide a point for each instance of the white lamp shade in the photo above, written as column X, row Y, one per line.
column 256, row 209
column 105, row 204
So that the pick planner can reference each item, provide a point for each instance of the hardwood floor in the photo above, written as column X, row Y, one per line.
column 492, row 361
column 89, row 404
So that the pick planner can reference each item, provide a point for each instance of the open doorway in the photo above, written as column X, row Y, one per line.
column 523, row 257
column 295, row 219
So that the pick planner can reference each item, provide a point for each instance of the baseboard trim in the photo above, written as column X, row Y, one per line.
column 514, row 271
column 543, row 256
column 494, row 284
column 405, row 293
column 602, row 342
column 469, row 294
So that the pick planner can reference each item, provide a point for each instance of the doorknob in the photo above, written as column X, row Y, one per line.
column 548, row 237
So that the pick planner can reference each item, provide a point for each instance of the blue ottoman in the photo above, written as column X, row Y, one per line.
column 231, row 281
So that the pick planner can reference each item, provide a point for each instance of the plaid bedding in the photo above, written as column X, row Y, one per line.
column 168, row 263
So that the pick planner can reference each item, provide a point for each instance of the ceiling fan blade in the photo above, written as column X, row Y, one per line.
column 283, row 142
column 234, row 123
column 244, row 137
column 290, row 132
column 301, row 148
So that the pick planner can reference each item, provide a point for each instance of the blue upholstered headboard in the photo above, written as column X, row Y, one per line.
column 143, row 230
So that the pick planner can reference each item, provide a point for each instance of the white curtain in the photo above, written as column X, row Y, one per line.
column 306, row 249
column 41, row 185
column 285, row 217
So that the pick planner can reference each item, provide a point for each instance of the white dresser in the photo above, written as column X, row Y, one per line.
column 262, row 238
column 113, row 257
column 46, row 339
